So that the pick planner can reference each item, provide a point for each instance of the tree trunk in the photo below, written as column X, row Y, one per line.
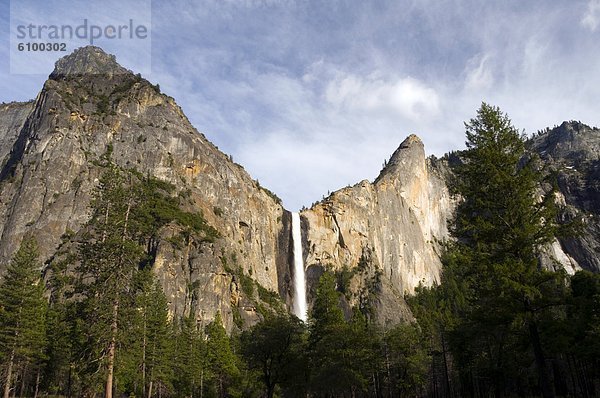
column 37, row 384
column 270, row 390
column 388, row 372
column 446, row 374
column 69, row 381
column 144, row 357
column 23, row 377
column 114, row 324
column 545, row 385
column 150, row 389
column 111, row 350
column 9, row 373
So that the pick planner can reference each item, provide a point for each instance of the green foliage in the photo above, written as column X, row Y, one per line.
column 488, row 328
column 237, row 318
column 406, row 358
column 222, row 361
column 246, row 283
column 250, row 287
column 494, row 294
column 160, row 208
column 22, row 315
column 275, row 348
column 108, row 260
column 270, row 297
column 340, row 352
column 144, row 361
column 103, row 105
column 343, row 280
column 583, row 317
column 190, row 359
column 127, row 85
column 272, row 195
column 128, row 211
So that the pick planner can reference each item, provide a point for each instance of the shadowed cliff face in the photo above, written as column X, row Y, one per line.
column 384, row 237
column 91, row 106
column 572, row 151
column 12, row 118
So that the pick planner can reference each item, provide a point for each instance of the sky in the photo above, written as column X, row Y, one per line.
column 311, row 96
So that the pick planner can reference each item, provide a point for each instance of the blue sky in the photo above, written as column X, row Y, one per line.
column 310, row 96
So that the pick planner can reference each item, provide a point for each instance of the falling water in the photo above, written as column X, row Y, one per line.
column 299, row 278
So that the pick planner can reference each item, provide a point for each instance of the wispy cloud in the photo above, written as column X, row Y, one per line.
column 479, row 75
column 311, row 96
column 591, row 17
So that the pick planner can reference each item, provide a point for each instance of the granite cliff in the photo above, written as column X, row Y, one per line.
column 390, row 229
column 572, row 152
column 382, row 238
column 89, row 106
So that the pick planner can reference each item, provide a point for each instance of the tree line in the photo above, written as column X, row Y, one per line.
column 499, row 323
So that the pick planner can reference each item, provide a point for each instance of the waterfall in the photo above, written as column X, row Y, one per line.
column 300, row 308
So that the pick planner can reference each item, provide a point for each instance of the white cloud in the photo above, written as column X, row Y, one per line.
column 478, row 73
column 408, row 97
column 591, row 17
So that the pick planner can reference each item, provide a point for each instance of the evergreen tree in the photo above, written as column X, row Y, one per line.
column 156, row 367
column 22, row 318
column 108, row 260
column 63, row 363
column 61, row 348
column 500, row 225
column 406, row 360
column 580, row 334
column 275, row 348
column 221, row 358
column 338, row 349
column 190, row 358
column 145, row 356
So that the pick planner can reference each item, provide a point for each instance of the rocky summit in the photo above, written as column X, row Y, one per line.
column 386, row 234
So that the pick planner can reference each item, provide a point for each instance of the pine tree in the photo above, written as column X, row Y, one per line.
column 275, row 348
column 338, row 349
column 146, row 354
column 579, row 337
column 406, row 360
column 22, row 317
column 109, row 259
column 61, row 334
column 500, row 225
column 189, row 358
column 221, row 359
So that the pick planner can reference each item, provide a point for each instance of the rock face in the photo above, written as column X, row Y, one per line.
column 91, row 106
column 401, row 218
column 572, row 151
column 88, row 61
column 382, row 238
column 12, row 118
column 392, row 226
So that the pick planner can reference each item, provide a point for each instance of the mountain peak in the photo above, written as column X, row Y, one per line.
column 411, row 143
column 572, row 140
column 409, row 154
column 88, row 60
